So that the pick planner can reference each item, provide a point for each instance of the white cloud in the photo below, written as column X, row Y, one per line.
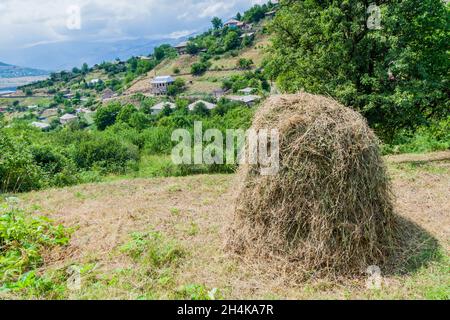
column 31, row 23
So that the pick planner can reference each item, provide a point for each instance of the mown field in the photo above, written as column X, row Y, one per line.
column 163, row 238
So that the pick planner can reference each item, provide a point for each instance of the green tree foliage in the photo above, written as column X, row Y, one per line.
column 217, row 23
column 232, row 40
column 396, row 75
column 245, row 64
column 199, row 68
column 106, row 116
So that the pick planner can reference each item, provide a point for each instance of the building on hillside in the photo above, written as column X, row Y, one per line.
column 144, row 58
column 248, row 91
column 157, row 109
column 94, row 81
column 67, row 118
column 233, row 23
column 271, row 14
column 83, row 110
column 160, row 85
column 182, row 47
column 247, row 34
column 41, row 125
column 108, row 94
column 248, row 100
column 207, row 104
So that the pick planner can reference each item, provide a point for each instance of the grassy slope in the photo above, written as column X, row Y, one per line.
column 185, row 258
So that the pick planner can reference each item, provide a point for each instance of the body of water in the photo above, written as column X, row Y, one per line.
column 7, row 90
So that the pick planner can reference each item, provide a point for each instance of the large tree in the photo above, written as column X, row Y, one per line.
column 389, row 61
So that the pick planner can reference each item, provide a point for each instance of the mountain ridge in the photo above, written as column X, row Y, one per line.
column 11, row 71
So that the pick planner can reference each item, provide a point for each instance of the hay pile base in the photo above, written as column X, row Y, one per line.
column 329, row 209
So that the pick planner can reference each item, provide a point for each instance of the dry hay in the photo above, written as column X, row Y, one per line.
column 329, row 209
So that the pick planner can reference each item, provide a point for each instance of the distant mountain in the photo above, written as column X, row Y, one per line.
column 10, row 71
column 66, row 55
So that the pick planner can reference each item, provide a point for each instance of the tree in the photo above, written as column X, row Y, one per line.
column 245, row 64
column 85, row 68
column 200, row 109
column 106, row 116
column 217, row 23
column 192, row 48
column 231, row 40
column 199, row 68
column 395, row 75
column 125, row 113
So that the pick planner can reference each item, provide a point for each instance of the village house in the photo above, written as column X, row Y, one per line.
column 248, row 34
column 41, row 125
column 94, row 81
column 3, row 109
column 207, row 104
column 160, row 85
column 83, row 110
column 156, row 109
column 247, row 91
column 249, row 100
column 67, row 118
column 182, row 47
column 233, row 23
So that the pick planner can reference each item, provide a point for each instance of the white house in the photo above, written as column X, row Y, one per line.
column 161, row 84
column 248, row 100
column 34, row 107
column 94, row 81
column 40, row 125
column 67, row 118
column 156, row 109
column 207, row 104
column 247, row 91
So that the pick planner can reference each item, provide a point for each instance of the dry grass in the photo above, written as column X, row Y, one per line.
column 329, row 209
column 105, row 214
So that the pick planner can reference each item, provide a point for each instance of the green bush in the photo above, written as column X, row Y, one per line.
column 22, row 240
column 109, row 154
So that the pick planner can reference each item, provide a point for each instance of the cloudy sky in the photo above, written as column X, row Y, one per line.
column 38, row 25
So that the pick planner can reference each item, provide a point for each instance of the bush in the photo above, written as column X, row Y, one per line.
column 199, row 68
column 22, row 241
column 107, row 154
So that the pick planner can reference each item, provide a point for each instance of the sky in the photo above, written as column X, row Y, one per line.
column 32, row 32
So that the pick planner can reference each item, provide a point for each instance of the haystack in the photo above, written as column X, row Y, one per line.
column 329, row 209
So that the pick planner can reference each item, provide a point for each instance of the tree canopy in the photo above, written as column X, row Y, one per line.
column 396, row 73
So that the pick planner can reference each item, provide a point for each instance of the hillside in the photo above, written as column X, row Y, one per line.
column 222, row 67
column 185, row 214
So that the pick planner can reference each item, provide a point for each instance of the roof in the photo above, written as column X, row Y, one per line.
column 249, row 34
column 234, row 22
column 247, row 90
column 161, row 105
column 208, row 105
column 40, row 125
column 182, row 44
column 68, row 116
column 245, row 99
column 162, row 79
